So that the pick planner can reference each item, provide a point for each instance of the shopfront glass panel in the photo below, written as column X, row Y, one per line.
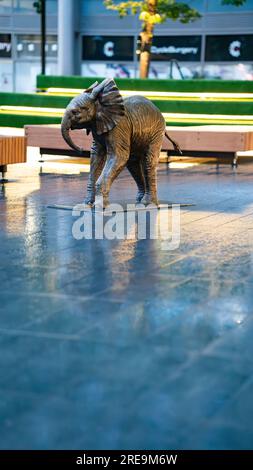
column 216, row 6
column 114, row 70
column 27, row 7
column 94, row 7
column 6, row 75
column 29, row 45
column 127, row 70
column 229, row 71
column 166, row 71
column 197, row 4
column 26, row 73
column 24, row 6
column 52, row 7
column 5, row 7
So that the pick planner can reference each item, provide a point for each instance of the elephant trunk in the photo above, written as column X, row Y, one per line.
column 65, row 127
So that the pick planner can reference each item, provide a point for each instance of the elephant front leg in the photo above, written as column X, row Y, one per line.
column 111, row 170
column 98, row 155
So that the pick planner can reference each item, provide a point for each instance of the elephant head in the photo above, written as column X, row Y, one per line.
column 98, row 108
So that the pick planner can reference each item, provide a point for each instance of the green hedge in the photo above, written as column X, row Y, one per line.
column 15, row 120
column 196, row 107
column 205, row 107
column 34, row 100
column 225, row 86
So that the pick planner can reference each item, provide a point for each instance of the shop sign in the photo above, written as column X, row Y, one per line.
column 229, row 48
column 181, row 48
column 5, row 45
column 108, row 48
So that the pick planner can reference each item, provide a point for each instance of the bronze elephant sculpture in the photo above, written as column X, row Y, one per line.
column 126, row 133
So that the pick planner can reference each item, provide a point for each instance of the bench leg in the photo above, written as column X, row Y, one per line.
column 235, row 161
column 41, row 157
column 3, row 170
column 168, row 159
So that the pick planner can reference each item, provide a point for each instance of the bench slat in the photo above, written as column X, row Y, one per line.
column 195, row 138
column 12, row 150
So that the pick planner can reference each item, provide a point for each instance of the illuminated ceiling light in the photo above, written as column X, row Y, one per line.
column 31, row 47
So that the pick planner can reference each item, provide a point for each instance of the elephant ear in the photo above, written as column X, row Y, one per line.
column 110, row 106
column 91, row 88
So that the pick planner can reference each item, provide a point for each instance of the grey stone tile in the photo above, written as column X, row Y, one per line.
column 118, row 344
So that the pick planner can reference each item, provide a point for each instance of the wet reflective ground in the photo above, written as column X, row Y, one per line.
column 118, row 344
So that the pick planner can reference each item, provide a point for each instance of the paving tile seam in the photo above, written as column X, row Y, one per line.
column 53, row 336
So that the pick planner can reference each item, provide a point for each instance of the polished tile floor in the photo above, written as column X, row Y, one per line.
column 119, row 344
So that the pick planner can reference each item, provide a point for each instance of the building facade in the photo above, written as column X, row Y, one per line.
column 86, row 39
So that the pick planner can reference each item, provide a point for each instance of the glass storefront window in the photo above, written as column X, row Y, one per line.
column 127, row 70
column 6, row 75
column 229, row 71
column 26, row 6
column 94, row 8
column 23, row 6
column 197, row 4
column 30, row 46
column 114, row 70
column 52, row 7
column 5, row 7
column 26, row 73
column 216, row 6
column 164, row 71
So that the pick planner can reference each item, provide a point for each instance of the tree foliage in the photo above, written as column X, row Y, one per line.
column 153, row 12
column 164, row 9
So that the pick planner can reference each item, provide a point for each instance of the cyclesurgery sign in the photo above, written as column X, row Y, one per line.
column 5, row 45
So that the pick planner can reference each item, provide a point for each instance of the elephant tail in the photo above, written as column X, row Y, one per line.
column 174, row 143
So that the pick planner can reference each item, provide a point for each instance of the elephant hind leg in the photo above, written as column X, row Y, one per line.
column 150, row 163
column 135, row 169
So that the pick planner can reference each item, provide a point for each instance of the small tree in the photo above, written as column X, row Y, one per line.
column 152, row 12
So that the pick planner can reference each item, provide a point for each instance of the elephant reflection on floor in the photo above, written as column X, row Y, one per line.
column 126, row 133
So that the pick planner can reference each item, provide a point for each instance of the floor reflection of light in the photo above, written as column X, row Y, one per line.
column 69, row 168
column 15, row 214
column 25, row 179
column 183, row 165
column 57, row 163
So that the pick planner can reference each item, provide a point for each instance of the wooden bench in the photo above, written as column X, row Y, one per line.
column 197, row 141
column 12, row 150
